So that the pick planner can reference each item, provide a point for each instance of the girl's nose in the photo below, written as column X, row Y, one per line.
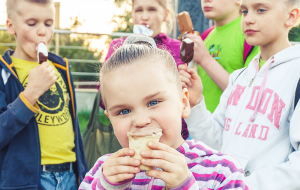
column 145, row 15
column 141, row 120
column 248, row 19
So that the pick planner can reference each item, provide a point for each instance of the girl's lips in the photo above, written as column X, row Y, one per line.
column 145, row 24
column 207, row 9
column 250, row 32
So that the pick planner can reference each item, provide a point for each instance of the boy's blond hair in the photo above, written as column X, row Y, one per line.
column 11, row 4
column 139, row 52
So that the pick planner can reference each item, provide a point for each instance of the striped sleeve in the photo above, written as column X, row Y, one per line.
column 220, row 173
column 213, row 170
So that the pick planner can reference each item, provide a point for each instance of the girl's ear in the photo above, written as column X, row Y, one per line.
column 293, row 17
column 166, row 15
column 186, row 105
column 106, row 113
column 10, row 27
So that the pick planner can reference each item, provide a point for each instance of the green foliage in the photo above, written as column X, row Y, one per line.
column 294, row 34
column 79, row 41
column 6, row 38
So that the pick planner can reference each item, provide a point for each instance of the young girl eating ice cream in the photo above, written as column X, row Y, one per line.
column 141, row 89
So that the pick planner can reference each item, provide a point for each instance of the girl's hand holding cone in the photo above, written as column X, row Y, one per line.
column 174, row 166
column 118, row 168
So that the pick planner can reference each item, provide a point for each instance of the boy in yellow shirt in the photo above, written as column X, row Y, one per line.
column 40, row 141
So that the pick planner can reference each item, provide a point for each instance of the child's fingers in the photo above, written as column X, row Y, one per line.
column 194, row 75
column 123, row 152
column 125, row 161
column 184, row 85
column 185, row 80
column 184, row 73
column 157, row 154
column 158, row 174
column 165, row 165
column 119, row 178
column 111, row 171
column 182, row 67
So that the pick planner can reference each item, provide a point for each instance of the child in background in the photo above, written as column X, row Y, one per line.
column 257, row 121
column 224, row 49
column 151, row 97
column 156, row 14
column 40, row 141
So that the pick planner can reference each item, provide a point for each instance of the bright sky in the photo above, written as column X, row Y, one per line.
column 96, row 13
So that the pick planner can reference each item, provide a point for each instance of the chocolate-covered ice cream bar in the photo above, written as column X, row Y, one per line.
column 187, row 50
column 185, row 23
column 42, row 53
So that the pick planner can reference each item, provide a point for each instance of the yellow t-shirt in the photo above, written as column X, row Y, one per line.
column 54, row 120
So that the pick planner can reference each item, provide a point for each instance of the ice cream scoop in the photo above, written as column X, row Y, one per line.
column 42, row 53
column 138, row 140
column 187, row 50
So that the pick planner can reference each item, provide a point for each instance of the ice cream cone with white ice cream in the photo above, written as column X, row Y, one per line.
column 139, row 138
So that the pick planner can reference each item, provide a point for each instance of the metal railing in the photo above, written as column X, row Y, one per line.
column 57, row 46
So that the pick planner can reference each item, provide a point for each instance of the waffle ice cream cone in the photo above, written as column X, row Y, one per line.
column 138, row 141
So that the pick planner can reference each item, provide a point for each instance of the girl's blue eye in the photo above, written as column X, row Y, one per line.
column 124, row 112
column 261, row 10
column 244, row 12
column 153, row 103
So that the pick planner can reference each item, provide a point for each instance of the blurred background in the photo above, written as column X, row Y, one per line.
column 84, row 30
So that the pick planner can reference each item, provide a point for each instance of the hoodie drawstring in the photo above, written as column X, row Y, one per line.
column 262, row 87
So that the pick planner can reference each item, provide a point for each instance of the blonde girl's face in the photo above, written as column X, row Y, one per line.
column 149, row 12
column 264, row 21
column 219, row 9
column 142, row 95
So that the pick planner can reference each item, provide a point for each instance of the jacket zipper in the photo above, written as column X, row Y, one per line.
column 251, row 81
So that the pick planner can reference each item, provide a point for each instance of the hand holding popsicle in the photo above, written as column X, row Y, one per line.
column 191, row 80
column 40, row 78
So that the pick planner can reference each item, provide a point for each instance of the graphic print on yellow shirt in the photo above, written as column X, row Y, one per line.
column 54, row 120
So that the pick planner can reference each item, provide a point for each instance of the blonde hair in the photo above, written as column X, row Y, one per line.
column 11, row 4
column 133, row 51
column 167, row 5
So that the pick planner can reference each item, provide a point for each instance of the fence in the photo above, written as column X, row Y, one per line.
column 57, row 47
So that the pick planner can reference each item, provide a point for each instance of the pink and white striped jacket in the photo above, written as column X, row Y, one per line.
column 209, row 169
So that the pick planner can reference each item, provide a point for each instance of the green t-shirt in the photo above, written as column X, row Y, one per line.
column 261, row 63
column 226, row 45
